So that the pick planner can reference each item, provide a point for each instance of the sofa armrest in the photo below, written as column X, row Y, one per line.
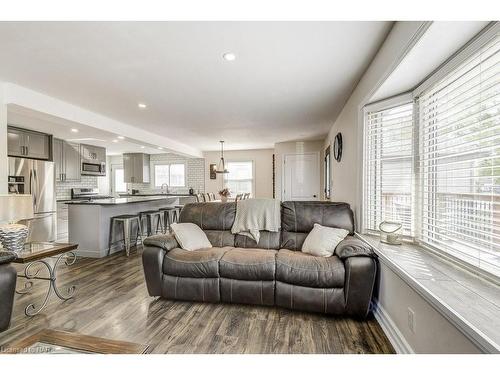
column 8, row 278
column 166, row 242
column 360, row 273
column 7, row 256
column 353, row 247
column 152, row 262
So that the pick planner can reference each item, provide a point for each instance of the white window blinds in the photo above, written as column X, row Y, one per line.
column 459, row 131
column 389, row 167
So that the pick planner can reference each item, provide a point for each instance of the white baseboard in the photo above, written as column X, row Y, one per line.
column 392, row 332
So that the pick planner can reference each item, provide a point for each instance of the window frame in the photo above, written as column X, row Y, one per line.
column 169, row 163
column 469, row 49
column 229, row 161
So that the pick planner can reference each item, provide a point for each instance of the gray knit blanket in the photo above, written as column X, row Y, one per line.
column 254, row 215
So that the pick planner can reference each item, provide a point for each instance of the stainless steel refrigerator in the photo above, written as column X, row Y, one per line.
column 36, row 177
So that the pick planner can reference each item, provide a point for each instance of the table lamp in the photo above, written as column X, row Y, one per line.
column 14, row 207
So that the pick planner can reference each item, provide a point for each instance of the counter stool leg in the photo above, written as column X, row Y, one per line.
column 110, row 235
column 139, row 231
column 160, row 224
column 126, row 234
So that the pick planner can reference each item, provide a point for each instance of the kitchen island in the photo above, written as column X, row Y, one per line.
column 89, row 221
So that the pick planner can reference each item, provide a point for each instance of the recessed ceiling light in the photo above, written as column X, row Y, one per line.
column 142, row 105
column 229, row 56
column 121, row 137
column 142, row 147
column 115, row 140
column 160, row 148
column 74, row 130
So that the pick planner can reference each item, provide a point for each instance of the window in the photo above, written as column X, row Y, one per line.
column 389, row 167
column 438, row 172
column 171, row 174
column 239, row 180
column 119, row 186
column 327, row 173
column 459, row 124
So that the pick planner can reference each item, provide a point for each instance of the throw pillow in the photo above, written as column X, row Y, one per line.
column 190, row 236
column 322, row 241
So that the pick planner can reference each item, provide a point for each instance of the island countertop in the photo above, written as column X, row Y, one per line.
column 115, row 201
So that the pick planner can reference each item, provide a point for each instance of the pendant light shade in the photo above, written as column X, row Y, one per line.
column 221, row 167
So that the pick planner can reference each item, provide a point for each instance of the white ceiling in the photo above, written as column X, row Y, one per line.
column 289, row 81
column 439, row 42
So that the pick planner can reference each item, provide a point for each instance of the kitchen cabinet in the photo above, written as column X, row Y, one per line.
column 28, row 144
column 136, row 168
column 67, row 160
column 62, row 222
column 93, row 153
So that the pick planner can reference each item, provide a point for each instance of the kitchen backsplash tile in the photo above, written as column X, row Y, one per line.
column 63, row 189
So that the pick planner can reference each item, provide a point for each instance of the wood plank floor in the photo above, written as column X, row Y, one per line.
column 112, row 302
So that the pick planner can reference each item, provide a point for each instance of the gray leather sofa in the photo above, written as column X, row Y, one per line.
column 271, row 272
column 7, row 288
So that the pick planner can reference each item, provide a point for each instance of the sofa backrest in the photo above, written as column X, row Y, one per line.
column 215, row 219
column 298, row 219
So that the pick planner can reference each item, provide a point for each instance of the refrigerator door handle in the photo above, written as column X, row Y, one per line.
column 34, row 191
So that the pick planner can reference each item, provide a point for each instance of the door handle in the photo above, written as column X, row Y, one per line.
column 314, row 196
column 36, row 186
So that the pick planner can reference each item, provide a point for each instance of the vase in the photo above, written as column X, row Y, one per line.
column 223, row 199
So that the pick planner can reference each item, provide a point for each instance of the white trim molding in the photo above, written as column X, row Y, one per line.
column 390, row 329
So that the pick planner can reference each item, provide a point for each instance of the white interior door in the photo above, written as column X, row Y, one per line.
column 301, row 177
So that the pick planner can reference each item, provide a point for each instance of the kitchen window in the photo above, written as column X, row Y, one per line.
column 174, row 175
column 434, row 164
column 240, row 179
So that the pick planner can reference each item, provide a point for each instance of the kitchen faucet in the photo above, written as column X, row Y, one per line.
column 162, row 187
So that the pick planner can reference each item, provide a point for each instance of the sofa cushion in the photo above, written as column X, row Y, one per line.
column 220, row 238
column 267, row 240
column 198, row 263
column 248, row 264
column 297, row 268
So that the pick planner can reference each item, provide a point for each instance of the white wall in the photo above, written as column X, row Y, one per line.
column 297, row 147
column 433, row 332
column 346, row 175
column 263, row 169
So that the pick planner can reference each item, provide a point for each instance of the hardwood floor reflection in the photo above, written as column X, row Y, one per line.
column 112, row 302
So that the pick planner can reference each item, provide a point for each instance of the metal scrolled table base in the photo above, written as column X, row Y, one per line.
column 31, row 310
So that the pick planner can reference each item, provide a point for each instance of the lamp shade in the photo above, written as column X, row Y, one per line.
column 15, row 207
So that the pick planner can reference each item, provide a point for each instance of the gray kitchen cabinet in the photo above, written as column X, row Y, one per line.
column 62, row 222
column 28, row 144
column 136, row 168
column 67, row 160
column 93, row 153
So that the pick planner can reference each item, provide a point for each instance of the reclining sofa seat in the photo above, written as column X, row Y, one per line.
column 272, row 272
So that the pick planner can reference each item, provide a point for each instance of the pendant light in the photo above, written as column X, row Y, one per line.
column 221, row 168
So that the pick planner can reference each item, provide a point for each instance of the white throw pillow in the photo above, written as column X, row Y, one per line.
column 190, row 236
column 322, row 241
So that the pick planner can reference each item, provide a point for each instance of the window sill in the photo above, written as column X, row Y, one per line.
column 469, row 302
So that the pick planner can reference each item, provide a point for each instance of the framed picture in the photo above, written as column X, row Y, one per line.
column 213, row 168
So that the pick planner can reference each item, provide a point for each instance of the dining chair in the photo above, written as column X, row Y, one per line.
column 239, row 197
column 207, row 197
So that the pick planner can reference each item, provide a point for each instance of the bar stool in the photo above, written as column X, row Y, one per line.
column 150, row 217
column 169, row 214
column 126, row 221
column 177, row 212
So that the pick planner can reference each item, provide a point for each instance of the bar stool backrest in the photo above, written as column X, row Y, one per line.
column 239, row 197
column 207, row 197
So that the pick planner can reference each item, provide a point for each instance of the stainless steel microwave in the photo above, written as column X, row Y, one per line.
column 93, row 169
